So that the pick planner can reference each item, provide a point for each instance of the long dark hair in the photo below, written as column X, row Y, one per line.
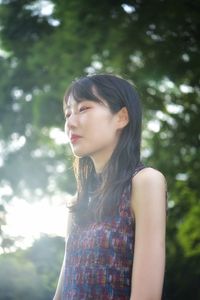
column 106, row 189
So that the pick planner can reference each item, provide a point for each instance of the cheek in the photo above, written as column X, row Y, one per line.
column 103, row 129
column 101, row 119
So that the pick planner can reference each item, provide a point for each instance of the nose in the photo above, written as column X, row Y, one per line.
column 71, row 122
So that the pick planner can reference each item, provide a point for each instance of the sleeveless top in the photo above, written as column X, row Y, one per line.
column 99, row 257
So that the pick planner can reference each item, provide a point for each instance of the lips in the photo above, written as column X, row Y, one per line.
column 74, row 138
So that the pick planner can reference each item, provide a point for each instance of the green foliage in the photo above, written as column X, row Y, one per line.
column 155, row 44
column 182, row 278
column 32, row 273
column 188, row 233
column 47, row 254
column 19, row 279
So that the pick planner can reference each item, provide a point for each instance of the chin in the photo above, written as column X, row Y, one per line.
column 79, row 154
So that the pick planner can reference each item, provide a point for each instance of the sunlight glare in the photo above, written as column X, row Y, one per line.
column 154, row 125
column 30, row 220
column 58, row 136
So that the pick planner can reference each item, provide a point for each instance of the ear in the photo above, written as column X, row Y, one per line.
column 122, row 118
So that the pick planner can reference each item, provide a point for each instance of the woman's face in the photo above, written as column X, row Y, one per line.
column 92, row 128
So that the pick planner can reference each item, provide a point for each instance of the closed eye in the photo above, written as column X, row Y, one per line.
column 83, row 108
column 67, row 115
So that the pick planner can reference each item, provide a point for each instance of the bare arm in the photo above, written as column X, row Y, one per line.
column 58, row 292
column 149, row 208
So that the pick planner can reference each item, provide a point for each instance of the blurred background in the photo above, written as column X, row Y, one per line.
column 44, row 45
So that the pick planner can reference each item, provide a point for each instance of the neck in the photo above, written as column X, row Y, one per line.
column 100, row 160
column 99, row 165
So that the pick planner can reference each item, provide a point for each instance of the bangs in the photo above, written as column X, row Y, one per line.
column 83, row 89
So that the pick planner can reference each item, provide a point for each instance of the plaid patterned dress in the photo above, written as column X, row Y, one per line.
column 99, row 258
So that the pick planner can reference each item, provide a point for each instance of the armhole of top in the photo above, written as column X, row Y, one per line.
column 138, row 169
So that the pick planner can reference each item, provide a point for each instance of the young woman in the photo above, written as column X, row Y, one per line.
column 116, row 246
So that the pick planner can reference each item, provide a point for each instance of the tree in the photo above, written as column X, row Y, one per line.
column 32, row 273
column 153, row 43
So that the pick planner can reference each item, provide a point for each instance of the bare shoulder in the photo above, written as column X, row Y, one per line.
column 71, row 200
column 70, row 203
column 148, row 176
column 149, row 188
